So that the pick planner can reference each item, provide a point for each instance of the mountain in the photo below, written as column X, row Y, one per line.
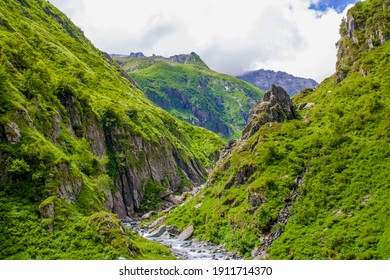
column 309, row 178
column 263, row 79
column 81, row 145
column 184, row 86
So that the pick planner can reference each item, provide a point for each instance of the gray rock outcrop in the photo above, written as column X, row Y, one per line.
column 12, row 132
column 159, row 221
column 276, row 106
column 158, row 232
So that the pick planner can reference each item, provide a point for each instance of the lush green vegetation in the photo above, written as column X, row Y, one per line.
column 339, row 146
column 194, row 93
column 24, row 235
column 362, row 30
column 57, row 91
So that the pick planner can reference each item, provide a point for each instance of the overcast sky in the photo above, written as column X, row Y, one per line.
column 231, row 36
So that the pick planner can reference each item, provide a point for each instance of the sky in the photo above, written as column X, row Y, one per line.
column 231, row 36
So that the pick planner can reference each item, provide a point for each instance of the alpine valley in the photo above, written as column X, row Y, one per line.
column 186, row 87
column 85, row 153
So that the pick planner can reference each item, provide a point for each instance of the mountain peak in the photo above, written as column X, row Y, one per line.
column 191, row 58
column 263, row 79
column 137, row 55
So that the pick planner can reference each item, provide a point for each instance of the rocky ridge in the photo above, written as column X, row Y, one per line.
column 263, row 79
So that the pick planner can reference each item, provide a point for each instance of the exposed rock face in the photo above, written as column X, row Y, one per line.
column 276, row 106
column 241, row 177
column 363, row 30
column 283, row 216
column 137, row 55
column 263, row 79
column 12, row 132
column 47, row 211
column 68, row 186
column 158, row 232
column 145, row 161
column 135, row 159
column 191, row 58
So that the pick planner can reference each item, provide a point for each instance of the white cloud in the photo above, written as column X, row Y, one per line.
column 231, row 36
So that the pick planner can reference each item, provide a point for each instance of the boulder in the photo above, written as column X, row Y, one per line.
column 186, row 234
column 166, row 235
column 158, row 232
column 172, row 230
column 157, row 222
column 148, row 215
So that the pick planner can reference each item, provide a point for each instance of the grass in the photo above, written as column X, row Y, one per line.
column 340, row 148
column 63, row 95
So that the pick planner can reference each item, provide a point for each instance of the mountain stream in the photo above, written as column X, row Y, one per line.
column 187, row 249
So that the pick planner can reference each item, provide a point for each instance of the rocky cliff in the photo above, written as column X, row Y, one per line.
column 80, row 144
column 361, row 31
column 263, row 79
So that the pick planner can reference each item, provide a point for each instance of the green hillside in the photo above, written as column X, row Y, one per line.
column 184, row 86
column 80, row 145
column 315, row 185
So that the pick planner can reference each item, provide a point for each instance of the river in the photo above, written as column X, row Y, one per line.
column 187, row 249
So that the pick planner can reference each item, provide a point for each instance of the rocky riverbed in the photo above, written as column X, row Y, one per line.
column 187, row 249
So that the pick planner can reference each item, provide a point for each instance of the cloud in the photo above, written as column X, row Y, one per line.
column 231, row 36
column 279, row 40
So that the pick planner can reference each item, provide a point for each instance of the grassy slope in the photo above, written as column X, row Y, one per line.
column 224, row 96
column 342, row 211
column 41, row 51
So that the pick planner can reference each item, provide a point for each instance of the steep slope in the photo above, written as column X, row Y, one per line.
column 263, row 79
column 184, row 86
column 313, row 184
column 79, row 142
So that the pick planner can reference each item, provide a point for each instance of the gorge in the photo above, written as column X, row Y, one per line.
column 84, row 150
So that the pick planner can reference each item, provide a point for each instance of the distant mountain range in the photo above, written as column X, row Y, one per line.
column 263, row 79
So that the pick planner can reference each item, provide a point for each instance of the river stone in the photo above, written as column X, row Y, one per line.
column 157, row 222
column 158, row 232
column 186, row 234
column 148, row 215
column 165, row 235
